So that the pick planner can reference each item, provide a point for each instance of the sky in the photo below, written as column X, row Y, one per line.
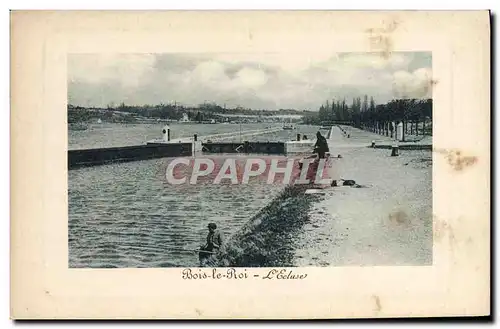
column 259, row 81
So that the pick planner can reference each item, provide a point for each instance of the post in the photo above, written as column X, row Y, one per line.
column 400, row 136
column 166, row 133
column 395, row 150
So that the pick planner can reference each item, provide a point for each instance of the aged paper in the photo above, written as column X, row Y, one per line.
column 52, row 279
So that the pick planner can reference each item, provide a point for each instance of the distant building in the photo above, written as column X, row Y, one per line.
column 185, row 118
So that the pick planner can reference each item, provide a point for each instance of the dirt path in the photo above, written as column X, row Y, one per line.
column 387, row 223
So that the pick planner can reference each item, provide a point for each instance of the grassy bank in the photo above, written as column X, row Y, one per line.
column 267, row 239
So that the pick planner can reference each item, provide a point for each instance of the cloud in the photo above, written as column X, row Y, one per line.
column 289, row 63
column 265, row 81
column 209, row 73
column 416, row 84
column 373, row 61
column 250, row 78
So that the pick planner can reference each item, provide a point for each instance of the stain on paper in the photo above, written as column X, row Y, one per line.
column 456, row 159
column 398, row 217
column 378, row 305
column 442, row 228
column 380, row 38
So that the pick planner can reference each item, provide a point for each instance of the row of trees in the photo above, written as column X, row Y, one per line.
column 205, row 111
column 81, row 115
column 414, row 114
column 338, row 110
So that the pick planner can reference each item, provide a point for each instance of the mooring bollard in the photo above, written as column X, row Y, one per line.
column 166, row 133
column 298, row 137
column 373, row 144
column 394, row 150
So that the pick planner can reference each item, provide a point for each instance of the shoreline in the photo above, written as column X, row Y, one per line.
column 265, row 239
column 389, row 222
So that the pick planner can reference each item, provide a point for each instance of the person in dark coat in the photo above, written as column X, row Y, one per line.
column 213, row 245
column 321, row 146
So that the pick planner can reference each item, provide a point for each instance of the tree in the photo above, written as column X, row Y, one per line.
column 323, row 113
column 374, row 117
column 364, row 107
column 379, row 118
column 199, row 117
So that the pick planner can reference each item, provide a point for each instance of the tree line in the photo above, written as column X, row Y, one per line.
column 205, row 111
column 414, row 114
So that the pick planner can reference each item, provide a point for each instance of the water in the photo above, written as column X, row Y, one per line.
column 125, row 215
column 112, row 134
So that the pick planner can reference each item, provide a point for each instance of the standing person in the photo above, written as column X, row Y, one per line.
column 321, row 146
column 214, row 243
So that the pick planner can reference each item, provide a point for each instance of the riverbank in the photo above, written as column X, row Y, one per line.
column 117, row 135
column 388, row 222
column 379, row 139
column 264, row 240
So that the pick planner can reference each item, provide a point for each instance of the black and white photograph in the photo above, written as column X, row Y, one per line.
column 274, row 164
column 132, row 117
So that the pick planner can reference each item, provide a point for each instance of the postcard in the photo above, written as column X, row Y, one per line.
column 250, row 164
